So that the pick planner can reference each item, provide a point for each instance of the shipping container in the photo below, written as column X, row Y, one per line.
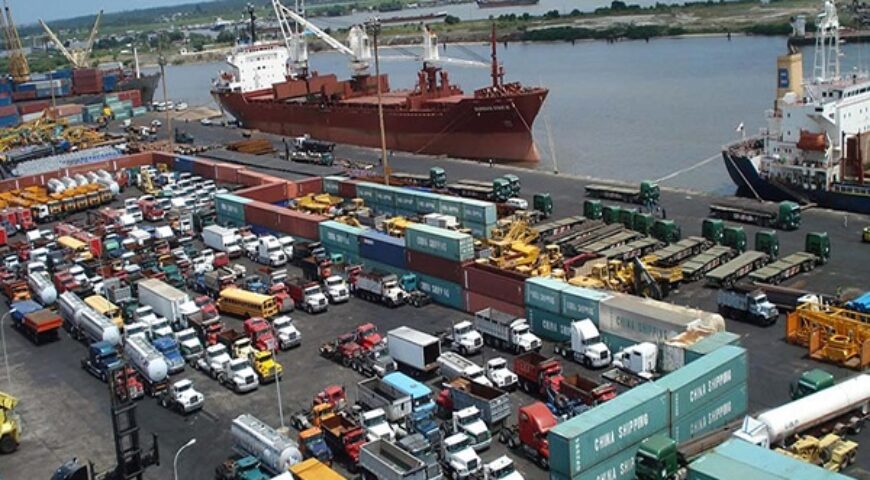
column 382, row 248
column 445, row 269
column 440, row 242
column 581, row 303
column 710, row 344
column 268, row 193
column 251, row 178
column 549, row 325
column 204, row 168
column 443, row 292
column 406, row 201
column 183, row 163
column 341, row 235
column 370, row 265
column 228, row 173
column 385, row 195
column 347, row 188
column 728, row 406
column 712, row 466
column 331, row 184
column 647, row 320
column 607, row 429
column 772, row 462
column 452, row 206
column 299, row 224
column 308, row 185
column 479, row 212
column 618, row 467
column 366, row 191
column 496, row 283
column 230, row 207
column 704, row 379
column 479, row 230
column 475, row 302
column 545, row 293
column 427, row 202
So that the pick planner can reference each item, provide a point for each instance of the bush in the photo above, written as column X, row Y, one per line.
column 451, row 20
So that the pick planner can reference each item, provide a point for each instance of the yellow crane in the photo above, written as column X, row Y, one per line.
column 10, row 424
column 18, row 67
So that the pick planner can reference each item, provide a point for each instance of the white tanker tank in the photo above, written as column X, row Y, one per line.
column 86, row 321
column 276, row 452
column 773, row 426
column 146, row 359
column 69, row 182
column 41, row 286
column 106, row 179
column 55, row 186
column 80, row 179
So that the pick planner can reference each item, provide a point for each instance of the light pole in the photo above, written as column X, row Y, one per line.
column 375, row 26
column 5, row 356
column 278, row 389
column 175, row 461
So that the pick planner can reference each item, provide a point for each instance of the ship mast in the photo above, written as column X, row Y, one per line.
column 251, row 14
column 826, row 63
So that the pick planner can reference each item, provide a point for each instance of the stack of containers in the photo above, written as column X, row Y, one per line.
column 134, row 96
column 110, row 81
column 381, row 251
column 737, row 459
column 552, row 305
column 711, row 344
column 230, row 209
column 682, row 349
column 331, row 185
column 479, row 216
column 87, row 80
column 341, row 238
column 708, row 393
column 9, row 116
column 488, row 286
column 92, row 112
column 438, row 255
column 602, row 442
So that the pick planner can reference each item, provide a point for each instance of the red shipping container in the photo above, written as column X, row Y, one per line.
column 227, row 172
column 266, row 179
column 134, row 96
column 251, row 178
column 495, row 283
column 269, row 193
column 89, row 167
column 204, row 168
column 475, row 302
column 347, row 188
column 8, row 111
column 309, row 185
column 262, row 214
column 298, row 224
column 19, row 96
column 135, row 160
column 164, row 158
column 291, row 189
column 33, row 107
column 435, row 266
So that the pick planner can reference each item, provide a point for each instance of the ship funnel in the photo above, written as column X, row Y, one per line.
column 789, row 76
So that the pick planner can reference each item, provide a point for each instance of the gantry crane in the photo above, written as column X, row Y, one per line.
column 18, row 67
column 78, row 57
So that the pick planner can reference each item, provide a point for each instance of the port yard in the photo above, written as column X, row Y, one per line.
column 65, row 411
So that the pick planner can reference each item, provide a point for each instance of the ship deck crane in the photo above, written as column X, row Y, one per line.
column 831, row 334
column 18, row 67
column 77, row 57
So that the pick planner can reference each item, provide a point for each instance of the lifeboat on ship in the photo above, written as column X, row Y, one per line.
column 812, row 141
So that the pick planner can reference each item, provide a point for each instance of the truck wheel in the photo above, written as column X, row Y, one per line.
column 544, row 463
column 8, row 444
column 512, row 442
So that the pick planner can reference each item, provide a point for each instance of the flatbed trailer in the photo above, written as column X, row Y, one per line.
column 476, row 191
column 785, row 268
column 579, row 240
column 616, row 240
column 697, row 266
column 633, row 249
column 673, row 254
column 558, row 227
column 646, row 192
column 727, row 275
column 784, row 215
column 786, row 298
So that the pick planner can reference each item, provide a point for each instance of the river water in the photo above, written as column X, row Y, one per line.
column 627, row 111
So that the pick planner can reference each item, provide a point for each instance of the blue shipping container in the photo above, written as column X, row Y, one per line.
column 5, row 100
column 383, row 248
column 9, row 121
column 182, row 163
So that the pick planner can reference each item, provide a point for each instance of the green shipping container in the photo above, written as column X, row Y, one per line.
column 580, row 303
column 442, row 291
column 711, row 344
column 478, row 211
column 406, row 200
column 705, row 379
column 713, row 415
column 479, row 230
column 775, row 463
column 366, row 191
column 616, row 343
column 230, row 207
column 427, row 202
column 545, row 293
column 618, row 467
column 713, row 466
column 440, row 242
column 605, row 430
column 549, row 325
column 450, row 206
column 330, row 184
column 340, row 235
column 385, row 195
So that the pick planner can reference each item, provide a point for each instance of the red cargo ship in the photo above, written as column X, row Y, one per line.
column 266, row 92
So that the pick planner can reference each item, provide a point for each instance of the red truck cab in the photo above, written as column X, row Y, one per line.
column 334, row 395
column 367, row 336
column 150, row 210
column 534, row 423
column 538, row 373
column 206, row 306
column 261, row 334
column 344, row 435
column 24, row 217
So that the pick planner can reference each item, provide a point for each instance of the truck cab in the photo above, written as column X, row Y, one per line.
column 657, row 458
column 367, row 336
column 534, row 422
column 266, row 366
column 215, row 360
column 810, row 382
column 182, row 397
column 269, row 252
column 585, row 346
column 469, row 422
column 499, row 374
column 312, row 444
column 261, row 334
column 459, row 457
column 189, row 344
column 336, row 289
column 102, row 357
column 168, row 347
column 640, row 359
column 375, row 423
column 308, row 296
column 464, row 338
column 239, row 376
column 288, row 334
column 502, row 468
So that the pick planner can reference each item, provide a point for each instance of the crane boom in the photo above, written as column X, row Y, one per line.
column 18, row 67
column 77, row 57
column 89, row 47
column 313, row 28
column 57, row 43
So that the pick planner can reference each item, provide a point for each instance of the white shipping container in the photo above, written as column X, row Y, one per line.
column 647, row 320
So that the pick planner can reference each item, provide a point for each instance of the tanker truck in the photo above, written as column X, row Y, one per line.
column 840, row 409
column 149, row 363
column 276, row 452
column 42, row 288
column 84, row 323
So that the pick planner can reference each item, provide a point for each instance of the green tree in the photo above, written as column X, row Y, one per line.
column 451, row 20
column 226, row 36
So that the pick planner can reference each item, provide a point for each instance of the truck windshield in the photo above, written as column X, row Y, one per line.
column 334, row 282
column 467, row 420
column 390, row 284
column 522, row 330
column 421, row 401
column 311, row 291
column 647, row 460
column 373, row 421
column 183, row 388
column 503, row 472
column 457, row 447
column 592, row 340
column 462, row 330
column 238, row 367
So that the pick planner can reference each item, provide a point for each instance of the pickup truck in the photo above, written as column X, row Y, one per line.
column 182, row 397
column 374, row 393
column 494, row 404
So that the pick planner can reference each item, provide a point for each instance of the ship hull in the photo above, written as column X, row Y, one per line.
column 744, row 174
column 505, row 3
column 498, row 128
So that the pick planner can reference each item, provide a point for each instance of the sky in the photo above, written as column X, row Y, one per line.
column 29, row 11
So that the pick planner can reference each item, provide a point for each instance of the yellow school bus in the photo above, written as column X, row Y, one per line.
column 106, row 309
column 75, row 245
column 246, row 304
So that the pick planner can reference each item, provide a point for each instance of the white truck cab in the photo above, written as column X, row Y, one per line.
column 336, row 289
column 499, row 374
column 240, row 376
column 288, row 334
column 469, row 421
column 640, row 359
column 459, row 458
column 269, row 252
column 215, row 360
column 375, row 423
column 502, row 468
column 189, row 344
column 585, row 346
column 464, row 338
column 183, row 397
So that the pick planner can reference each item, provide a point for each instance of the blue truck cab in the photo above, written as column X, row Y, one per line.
column 422, row 404
column 102, row 357
column 168, row 346
column 19, row 310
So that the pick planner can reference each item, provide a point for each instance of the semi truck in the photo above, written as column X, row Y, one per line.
column 725, row 276
column 463, row 338
column 469, row 421
column 697, row 266
column 454, row 365
column 306, row 295
column 785, row 215
column 414, row 349
column 253, row 437
column 529, row 435
column 384, row 460
column 537, row 373
column 644, row 194
column 494, row 404
column 437, row 178
column 380, row 287
column 817, row 251
column 43, row 289
column 167, row 301
column 458, row 458
column 673, row 254
column 375, row 393
column 221, row 240
column 149, row 363
column 39, row 324
column 85, row 323
column 270, row 252
column 506, row 331
column 748, row 304
column 585, row 346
